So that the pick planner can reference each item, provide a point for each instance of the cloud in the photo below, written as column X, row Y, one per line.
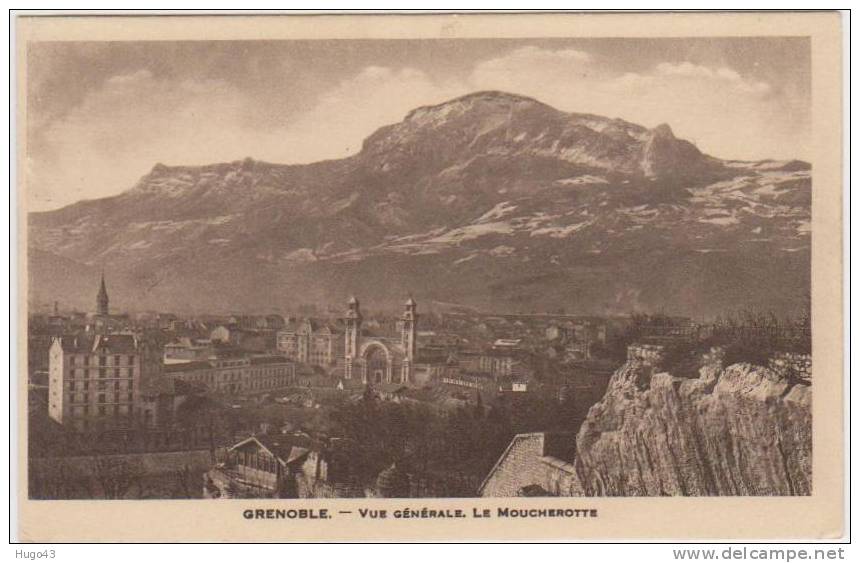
column 105, row 144
column 344, row 116
column 134, row 120
column 528, row 60
column 725, row 75
column 538, row 72
column 725, row 113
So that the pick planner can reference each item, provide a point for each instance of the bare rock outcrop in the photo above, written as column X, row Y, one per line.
column 738, row 430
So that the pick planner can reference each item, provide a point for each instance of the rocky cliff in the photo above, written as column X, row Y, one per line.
column 738, row 430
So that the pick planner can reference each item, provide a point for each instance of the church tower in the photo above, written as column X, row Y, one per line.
column 409, row 328
column 102, row 299
column 352, row 336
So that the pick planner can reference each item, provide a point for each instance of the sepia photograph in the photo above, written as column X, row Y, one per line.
column 290, row 269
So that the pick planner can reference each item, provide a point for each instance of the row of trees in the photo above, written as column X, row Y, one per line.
column 109, row 477
column 463, row 443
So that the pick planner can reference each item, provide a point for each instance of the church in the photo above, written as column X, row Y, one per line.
column 380, row 359
column 102, row 321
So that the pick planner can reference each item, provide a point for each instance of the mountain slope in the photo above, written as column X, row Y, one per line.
column 491, row 200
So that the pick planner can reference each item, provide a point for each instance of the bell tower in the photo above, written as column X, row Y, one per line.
column 409, row 328
column 352, row 336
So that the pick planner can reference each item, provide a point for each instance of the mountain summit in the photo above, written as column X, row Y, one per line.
column 491, row 200
column 501, row 124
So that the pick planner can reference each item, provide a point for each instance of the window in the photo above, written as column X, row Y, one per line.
column 102, row 372
column 101, row 398
column 130, row 360
column 86, row 385
column 117, row 360
column 101, row 410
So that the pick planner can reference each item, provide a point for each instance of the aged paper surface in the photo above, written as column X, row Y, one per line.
column 439, row 277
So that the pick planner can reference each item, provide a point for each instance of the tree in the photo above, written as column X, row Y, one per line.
column 185, row 485
column 116, row 476
column 55, row 480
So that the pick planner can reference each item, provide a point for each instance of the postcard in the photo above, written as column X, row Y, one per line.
column 392, row 277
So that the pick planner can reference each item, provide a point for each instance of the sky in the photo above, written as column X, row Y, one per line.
column 101, row 114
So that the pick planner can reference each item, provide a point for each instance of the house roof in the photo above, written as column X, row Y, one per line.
column 315, row 325
column 265, row 360
column 186, row 366
column 103, row 343
column 287, row 448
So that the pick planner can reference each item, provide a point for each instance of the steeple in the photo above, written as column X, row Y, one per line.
column 102, row 299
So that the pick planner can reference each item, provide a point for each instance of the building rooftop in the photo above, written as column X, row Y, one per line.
column 100, row 343
column 264, row 360
column 186, row 366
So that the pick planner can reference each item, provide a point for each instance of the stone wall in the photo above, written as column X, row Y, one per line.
column 527, row 463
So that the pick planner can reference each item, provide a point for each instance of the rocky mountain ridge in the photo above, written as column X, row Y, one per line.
column 491, row 200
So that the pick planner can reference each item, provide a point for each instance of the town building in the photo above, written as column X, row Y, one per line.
column 281, row 466
column 577, row 339
column 185, row 349
column 471, row 380
column 494, row 368
column 377, row 358
column 256, row 467
column 95, row 381
column 311, row 342
column 233, row 372
column 252, row 340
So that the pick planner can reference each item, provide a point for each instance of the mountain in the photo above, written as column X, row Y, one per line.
column 492, row 200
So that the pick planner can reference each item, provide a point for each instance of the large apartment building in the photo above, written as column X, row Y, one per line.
column 96, row 381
